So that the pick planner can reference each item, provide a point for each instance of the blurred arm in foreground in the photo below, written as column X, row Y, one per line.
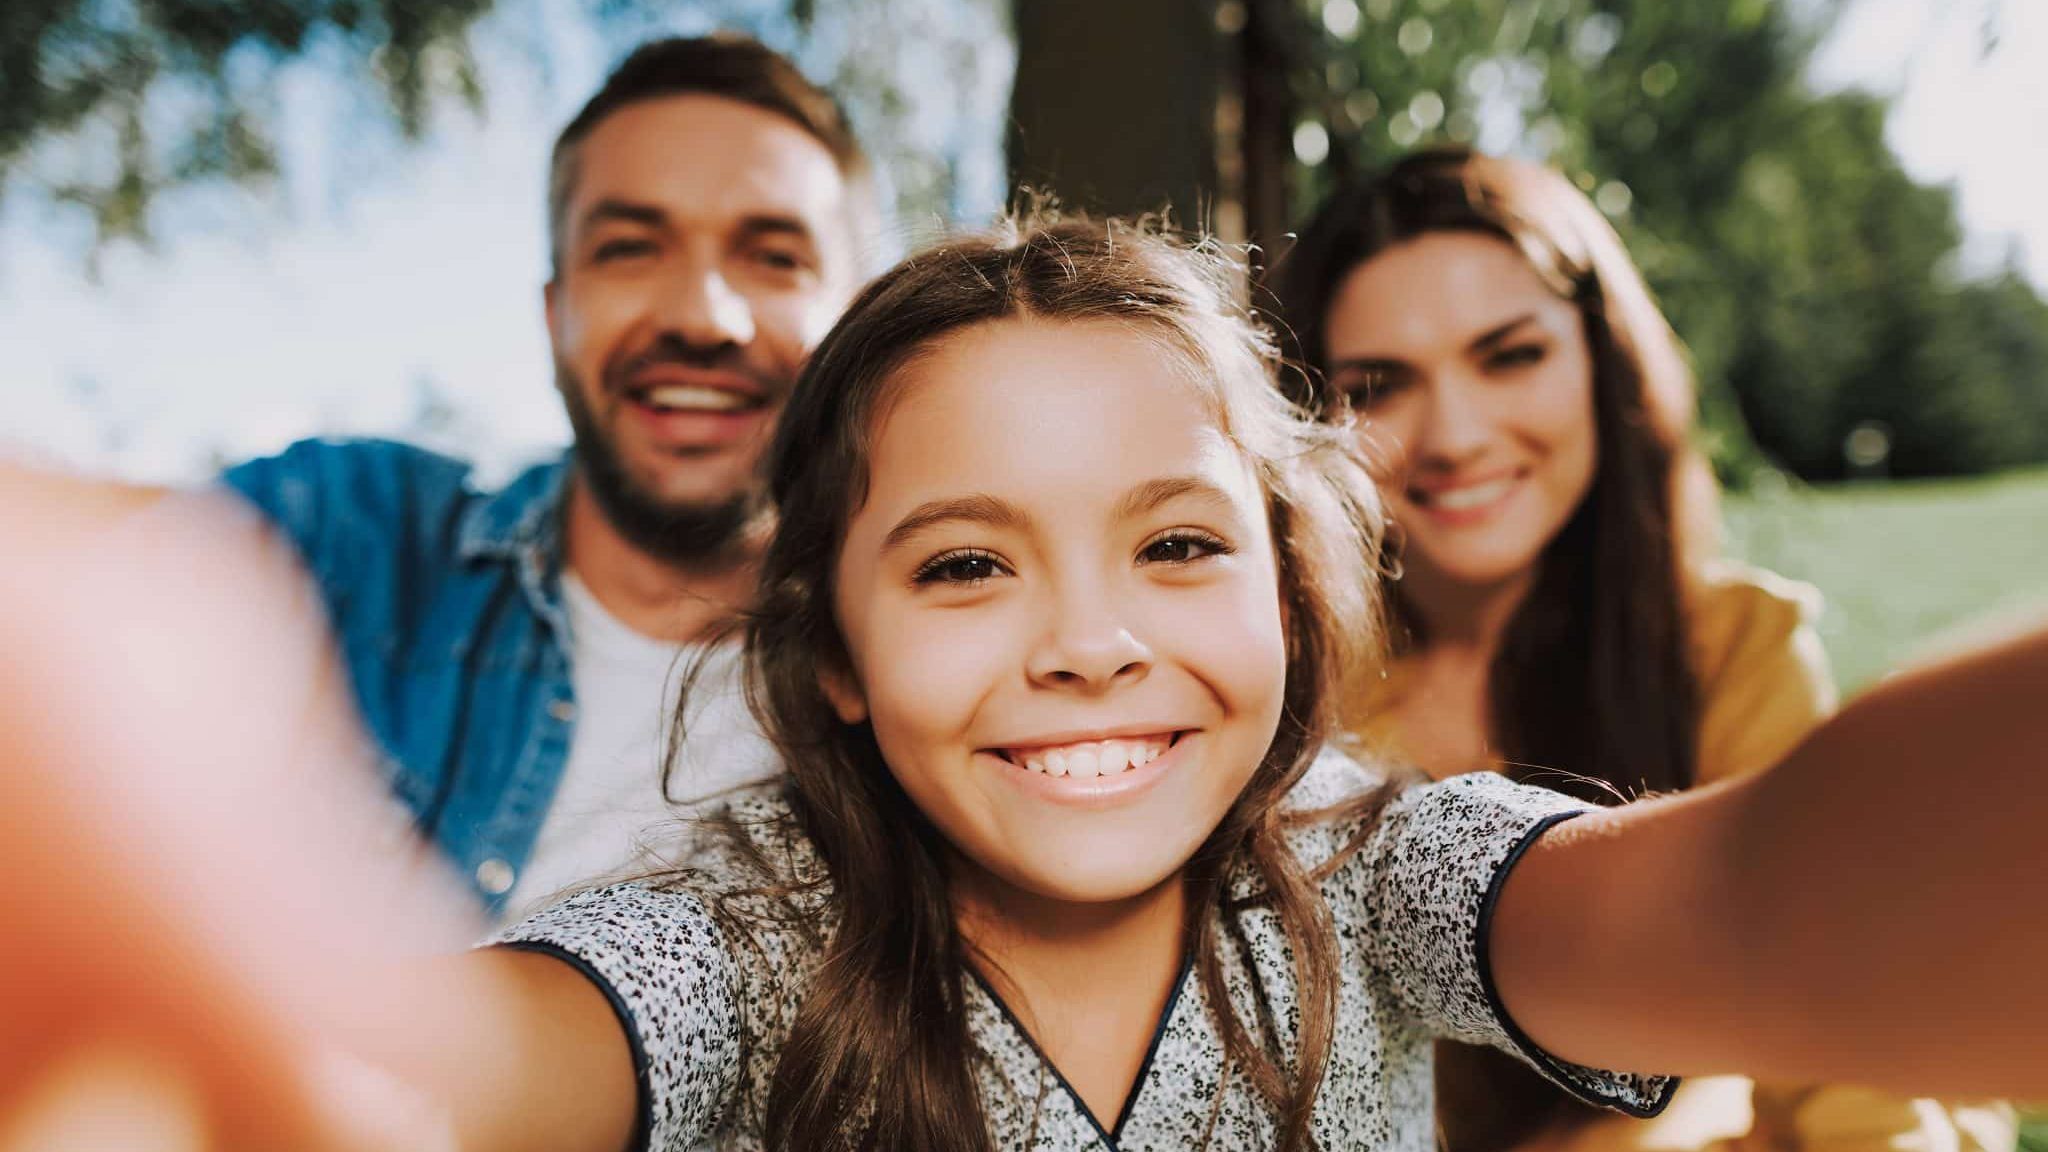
column 210, row 897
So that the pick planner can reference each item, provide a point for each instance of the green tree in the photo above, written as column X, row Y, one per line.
column 151, row 96
column 1811, row 277
column 169, row 93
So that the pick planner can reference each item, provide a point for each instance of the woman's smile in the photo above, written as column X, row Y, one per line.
column 1466, row 501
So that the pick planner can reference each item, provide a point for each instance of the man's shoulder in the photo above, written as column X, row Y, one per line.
column 353, row 468
column 383, row 494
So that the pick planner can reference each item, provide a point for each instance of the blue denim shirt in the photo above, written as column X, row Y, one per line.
column 446, row 603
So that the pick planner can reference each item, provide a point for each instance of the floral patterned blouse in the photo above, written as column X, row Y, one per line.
column 706, row 1014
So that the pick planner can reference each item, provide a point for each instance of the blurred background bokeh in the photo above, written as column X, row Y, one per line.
column 226, row 225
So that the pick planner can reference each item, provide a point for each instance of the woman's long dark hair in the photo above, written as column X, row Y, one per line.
column 879, row 1055
column 1593, row 676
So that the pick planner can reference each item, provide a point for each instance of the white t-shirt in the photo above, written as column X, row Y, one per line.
column 608, row 811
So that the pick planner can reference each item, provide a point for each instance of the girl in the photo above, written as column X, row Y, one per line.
column 1560, row 606
column 1049, row 634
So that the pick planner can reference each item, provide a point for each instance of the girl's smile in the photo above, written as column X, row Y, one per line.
column 1087, row 772
column 1061, row 606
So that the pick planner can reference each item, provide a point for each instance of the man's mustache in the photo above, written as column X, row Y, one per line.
column 671, row 350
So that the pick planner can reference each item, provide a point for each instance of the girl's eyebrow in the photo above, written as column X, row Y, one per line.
column 1151, row 494
column 979, row 509
column 996, row 512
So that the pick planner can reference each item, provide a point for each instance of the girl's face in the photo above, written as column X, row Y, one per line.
column 1475, row 388
column 1061, row 605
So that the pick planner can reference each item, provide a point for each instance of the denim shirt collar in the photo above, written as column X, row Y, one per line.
column 521, row 520
column 522, row 526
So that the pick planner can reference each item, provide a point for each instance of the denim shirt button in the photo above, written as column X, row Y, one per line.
column 563, row 710
column 495, row 877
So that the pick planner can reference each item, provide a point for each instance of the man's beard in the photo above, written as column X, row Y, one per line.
column 686, row 534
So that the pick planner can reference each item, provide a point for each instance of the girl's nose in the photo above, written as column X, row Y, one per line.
column 1087, row 645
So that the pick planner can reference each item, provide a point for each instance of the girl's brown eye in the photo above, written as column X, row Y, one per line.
column 966, row 567
column 1182, row 547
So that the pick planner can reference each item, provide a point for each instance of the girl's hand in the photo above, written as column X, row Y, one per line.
column 206, row 893
column 114, row 1095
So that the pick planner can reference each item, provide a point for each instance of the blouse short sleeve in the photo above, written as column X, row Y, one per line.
column 1764, row 679
column 661, row 960
column 1435, row 866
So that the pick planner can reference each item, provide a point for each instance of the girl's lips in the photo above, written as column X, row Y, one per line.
column 1092, row 791
column 1094, row 755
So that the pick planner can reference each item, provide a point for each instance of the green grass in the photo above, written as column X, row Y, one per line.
column 1906, row 565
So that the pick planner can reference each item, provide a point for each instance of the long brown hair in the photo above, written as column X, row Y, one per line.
column 1602, row 634
column 1593, row 675
column 878, row 1055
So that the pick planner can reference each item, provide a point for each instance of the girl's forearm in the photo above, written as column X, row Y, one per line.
column 1875, row 909
column 507, row 1051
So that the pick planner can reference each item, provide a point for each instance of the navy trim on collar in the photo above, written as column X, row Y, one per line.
column 521, row 517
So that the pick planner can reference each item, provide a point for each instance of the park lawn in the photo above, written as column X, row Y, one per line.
column 1903, row 565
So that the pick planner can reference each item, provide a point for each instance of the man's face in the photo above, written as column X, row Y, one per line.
column 706, row 245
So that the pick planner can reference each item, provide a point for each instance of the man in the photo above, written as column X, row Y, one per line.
column 516, row 654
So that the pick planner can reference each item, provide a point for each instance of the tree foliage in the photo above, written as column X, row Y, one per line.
column 1813, row 279
column 152, row 96
column 167, row 93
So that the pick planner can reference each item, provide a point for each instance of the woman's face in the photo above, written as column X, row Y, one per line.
column 1061, row 605
column 1474, row 388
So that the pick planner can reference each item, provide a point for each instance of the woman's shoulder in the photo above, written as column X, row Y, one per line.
column 1763, row 673
column 1732, row 605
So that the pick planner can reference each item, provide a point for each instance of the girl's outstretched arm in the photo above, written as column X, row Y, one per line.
column 1803, row 924
column 219, row 934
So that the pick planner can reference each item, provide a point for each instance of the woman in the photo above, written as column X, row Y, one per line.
column 1560, row 604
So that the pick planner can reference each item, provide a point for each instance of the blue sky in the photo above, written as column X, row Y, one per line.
column 322, row 307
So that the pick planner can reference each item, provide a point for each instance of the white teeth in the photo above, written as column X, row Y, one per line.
column 1475, row 496
column 1094, row 758
column 1084, row 762
column 690, row 397
column 1114, row 757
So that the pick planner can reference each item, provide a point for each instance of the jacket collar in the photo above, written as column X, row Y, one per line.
column 523, row 518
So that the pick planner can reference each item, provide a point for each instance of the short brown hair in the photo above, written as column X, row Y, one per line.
column 723, row 64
